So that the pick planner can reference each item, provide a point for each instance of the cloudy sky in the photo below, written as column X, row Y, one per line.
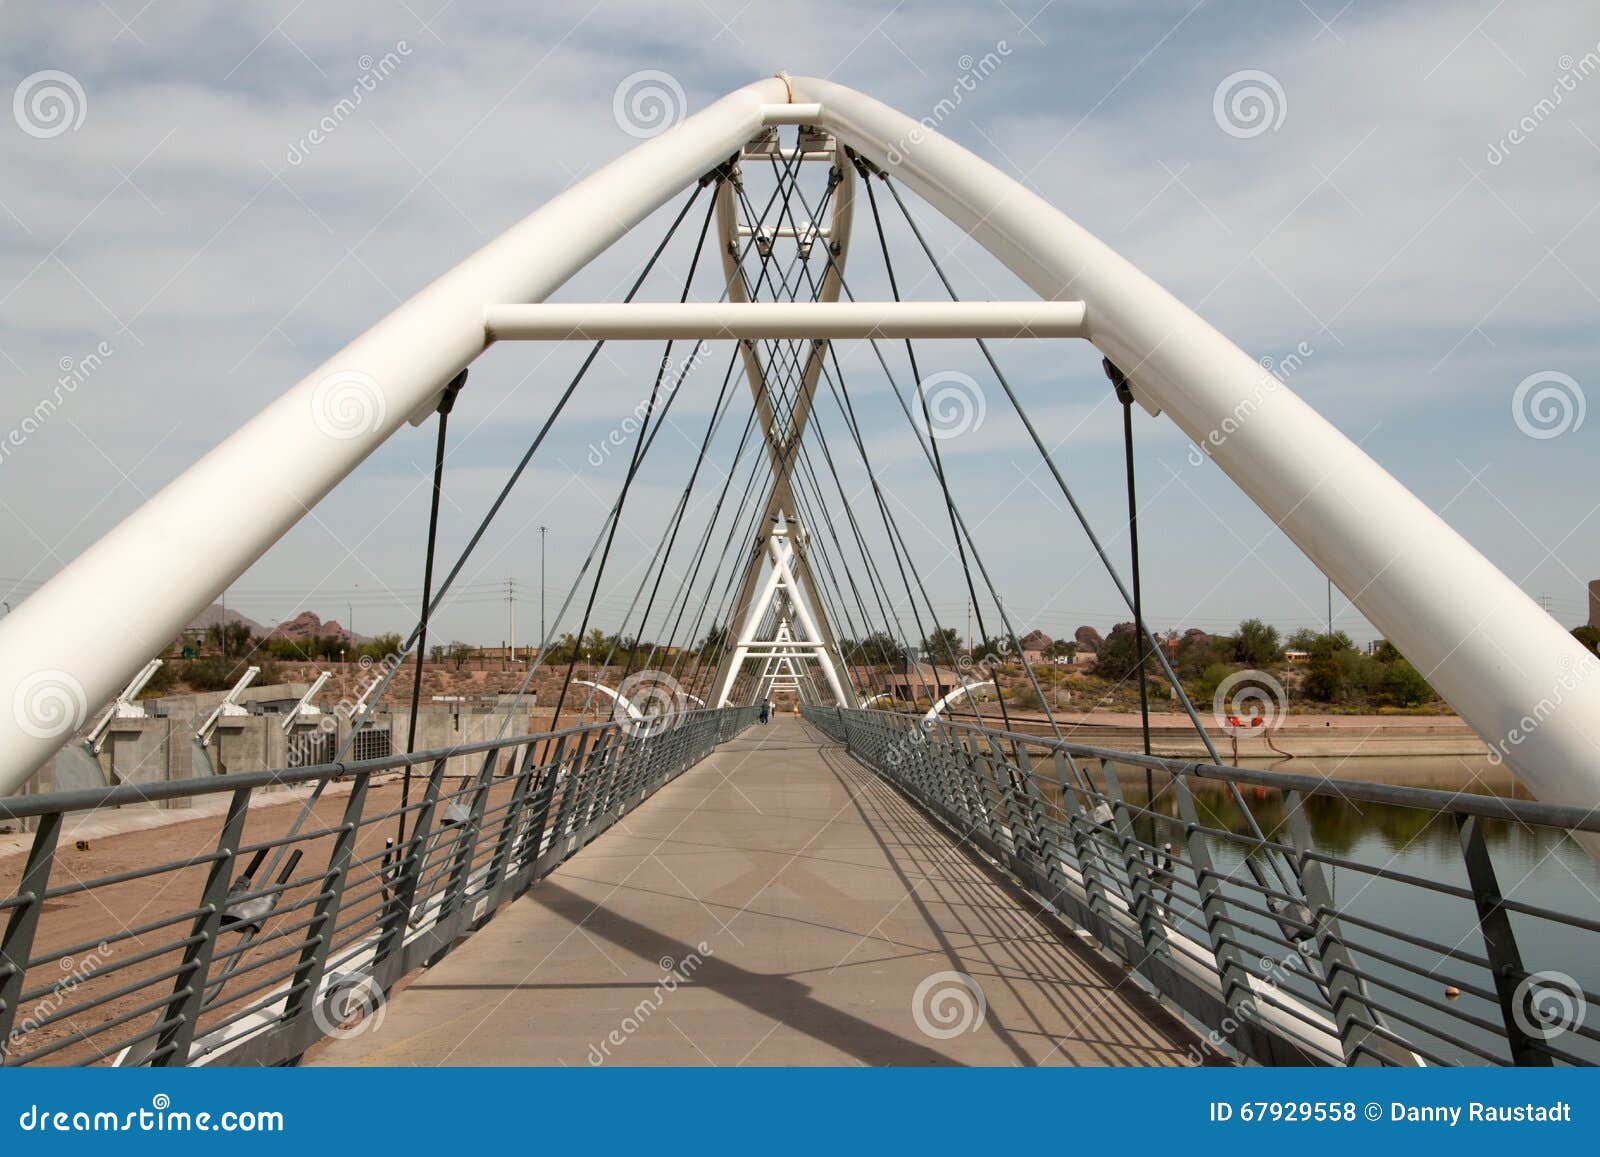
column 1415, row 219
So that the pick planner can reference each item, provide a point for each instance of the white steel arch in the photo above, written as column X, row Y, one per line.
column 960, row 692
column 1487, row 647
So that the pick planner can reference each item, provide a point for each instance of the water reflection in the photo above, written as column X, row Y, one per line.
column 1537, row 866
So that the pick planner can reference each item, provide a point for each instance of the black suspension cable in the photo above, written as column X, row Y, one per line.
column 447, row 402
column 1116, row 578
column 633, row 468
column 1125, row 395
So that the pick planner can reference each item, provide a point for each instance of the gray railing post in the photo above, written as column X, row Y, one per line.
column 402, row 884
column 1085, row 849
column 1353, row 1016
column 1499, row 942
column 302, row 997
column 1048, row 877
column 1137, row 868
column 465, row 848
column 182, row 1013
column 1231, row 971
column 17, row 946
column 530, row 837
column 511, row 821
column 571, row 789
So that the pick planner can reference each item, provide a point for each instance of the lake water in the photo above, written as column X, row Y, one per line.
column 1535, row 866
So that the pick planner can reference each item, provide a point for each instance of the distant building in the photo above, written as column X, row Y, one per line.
column 1297, row 656
column 1034, row 645
column 922, row 680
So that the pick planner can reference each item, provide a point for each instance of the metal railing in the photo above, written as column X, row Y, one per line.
column 1246, row 930
column 265, row 936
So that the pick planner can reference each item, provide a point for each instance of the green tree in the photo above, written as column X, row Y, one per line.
column 1305, row 639
column 1256, row 644
column 1589, row 637
column 996, row 650
column 1325, row 680
column 1118, row 656
column 1062, row 649
column 942, row 644
column 1406, row 686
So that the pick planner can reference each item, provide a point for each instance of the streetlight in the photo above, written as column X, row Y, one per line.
column 542, row 635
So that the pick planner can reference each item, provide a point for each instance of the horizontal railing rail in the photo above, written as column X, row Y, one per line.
column 1281, row 946
column 260, row 935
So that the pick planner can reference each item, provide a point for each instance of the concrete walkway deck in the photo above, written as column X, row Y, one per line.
column 776, row 904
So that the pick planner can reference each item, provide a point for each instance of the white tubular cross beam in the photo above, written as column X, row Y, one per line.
column 659, row 321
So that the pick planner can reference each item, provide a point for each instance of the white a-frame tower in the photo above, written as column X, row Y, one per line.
column 783, row 633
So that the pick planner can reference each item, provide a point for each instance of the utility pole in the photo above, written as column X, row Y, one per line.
column 543, row 634
column 1330, row 606
column 511, row 615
